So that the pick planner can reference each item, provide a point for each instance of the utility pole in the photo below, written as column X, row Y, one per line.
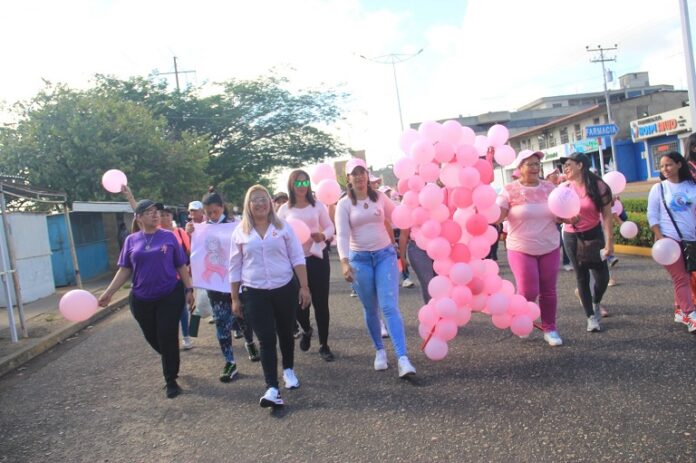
column 689, row 57
column 602, row 59
column 176, row 74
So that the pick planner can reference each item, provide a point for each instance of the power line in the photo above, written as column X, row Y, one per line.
column 176, row 74
column 602, row 59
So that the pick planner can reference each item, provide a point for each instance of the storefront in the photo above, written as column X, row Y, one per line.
column 660, row 134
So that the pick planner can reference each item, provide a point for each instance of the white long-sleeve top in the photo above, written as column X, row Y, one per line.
column 264, row 263
column 361, row 227
column 681, row 199
column 316, row 217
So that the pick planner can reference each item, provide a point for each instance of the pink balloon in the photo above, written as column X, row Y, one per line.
column 323, row 171
column 401, row 217
column 440, row 213
column 429, row 172
column 452, row 132
column 404, row 167
column 438, row 248
column 113, row 180
column 463, row 316
column 518, row 305
column 328, row 191
column 422, row 151
column 485, row 170
column 481, row 144
column 478, row 302
column 469, row 177
column 475, row 285
column 467, row 155
column 507, row 288
column 439, row 287
column 492, row 213
column 498, row 135
column 462, row 197
column 451, row 231
column 446, row 329
column 78, row 305
column 415, row 183
column 533, row 310
column 408, row 137
column 428, row 315
column 617, row 208
column 476, row 225
column 300, row 228
column 478, row 267
column 468, row 135
column 491, row 235
column 461, row 273
column 442, row 266
column 402, row 186
column 425, row 331
column 430, row 196
column 492, row 283
column 449, row 175
column 504, row 155
column 521, row 325
column 563, row 202
column 435, row 349
column 460, row 253
column 491, row 267
column 501, row 321
column 483, row 196
column 461, row 295
column 666, row 251
column 410, row 200
column 431, row 131
column 446, row 307
column 616, row 181
column 498, row 303
column 419, row 216
column 629, row 230
column 431, row 228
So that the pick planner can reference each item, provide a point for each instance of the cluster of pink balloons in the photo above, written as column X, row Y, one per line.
column 78, row 305
column 113, row 180
column 326, row 188
column 451, row 223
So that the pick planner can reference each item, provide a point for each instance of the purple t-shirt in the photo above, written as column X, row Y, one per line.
column 153, row 258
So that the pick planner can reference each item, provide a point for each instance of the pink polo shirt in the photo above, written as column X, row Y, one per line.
column 361, row 227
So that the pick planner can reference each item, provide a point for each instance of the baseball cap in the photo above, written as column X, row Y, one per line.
column 524, row 154
column 577, row 157
column 145, row 204
column 356, row 162
column 195, row 206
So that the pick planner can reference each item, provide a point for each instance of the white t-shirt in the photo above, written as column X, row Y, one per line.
column 681, row 199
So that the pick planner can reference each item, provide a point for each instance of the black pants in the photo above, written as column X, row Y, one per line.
column 271, row 312
column 582, row 273
column 318, row 276
column 159, row 321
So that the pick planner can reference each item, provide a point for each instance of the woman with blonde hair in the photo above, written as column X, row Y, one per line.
column 265, row 256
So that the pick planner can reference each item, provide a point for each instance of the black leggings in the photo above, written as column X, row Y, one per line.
column 271, row 312
column 582, row 273
column 318, row 276
column 159, row 321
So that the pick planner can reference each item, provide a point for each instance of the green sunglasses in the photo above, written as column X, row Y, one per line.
column 301, row 183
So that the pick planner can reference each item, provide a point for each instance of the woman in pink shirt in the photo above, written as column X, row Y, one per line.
column 593, row 224
column 368, row 260
column 533, row 242
column 303, row 206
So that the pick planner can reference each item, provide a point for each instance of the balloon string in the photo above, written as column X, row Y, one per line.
column 538, row 326
column 430, row 335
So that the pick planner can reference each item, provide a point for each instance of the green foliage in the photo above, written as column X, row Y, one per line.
column 645, row 236
column 635, row 205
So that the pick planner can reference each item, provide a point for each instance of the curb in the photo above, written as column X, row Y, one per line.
column 633, row 250
column 41, row 345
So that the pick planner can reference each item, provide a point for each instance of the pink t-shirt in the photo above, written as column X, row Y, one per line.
column 589, row 215
column 361, row 227
column 316, row 217
column 532, row 227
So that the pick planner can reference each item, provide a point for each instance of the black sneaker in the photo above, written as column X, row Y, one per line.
column 252, row 351
column 326, row 353
column 173, row 389
column 229, row 372
column 306, row 340
column 237, row 334
column 297, row 333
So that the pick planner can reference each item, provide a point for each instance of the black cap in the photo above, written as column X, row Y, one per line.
column 577, row 157
column 145, row 204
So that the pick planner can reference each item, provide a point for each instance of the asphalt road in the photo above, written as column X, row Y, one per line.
column 625, row 394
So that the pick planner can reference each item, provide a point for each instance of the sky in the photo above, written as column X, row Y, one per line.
column 478, row 55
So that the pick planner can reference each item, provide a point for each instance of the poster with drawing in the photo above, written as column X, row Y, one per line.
column 210, row 254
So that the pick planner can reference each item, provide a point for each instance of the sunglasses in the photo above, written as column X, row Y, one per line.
column 301, row 183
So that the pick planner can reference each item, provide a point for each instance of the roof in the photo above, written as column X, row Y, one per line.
column 558, row 121
column 101, row 206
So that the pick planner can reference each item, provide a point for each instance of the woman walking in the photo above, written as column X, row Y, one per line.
column 303, row 206
column 368, row 260
column 161, row 286
column 533, row 242
column 590, row 231
column 672, row 214
column 265, row 256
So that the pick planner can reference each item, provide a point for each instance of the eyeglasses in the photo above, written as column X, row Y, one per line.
column 259, row 200
column 301, row 183
column 533, row 164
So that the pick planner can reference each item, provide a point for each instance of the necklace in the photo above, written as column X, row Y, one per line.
column 147, row 242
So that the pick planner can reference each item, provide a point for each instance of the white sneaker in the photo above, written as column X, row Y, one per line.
column 383, row 329
column 593, row 324
column 679, row 317
column 381, row 360
column 405, row 367
column 553, row 338
column 407, row 283
column 568, row 268
column 187, row 344
column 691, row 319
column 271, row 398
column 291, row 381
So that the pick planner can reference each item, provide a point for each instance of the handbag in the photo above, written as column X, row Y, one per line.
column 688, row 248
column 588, row 252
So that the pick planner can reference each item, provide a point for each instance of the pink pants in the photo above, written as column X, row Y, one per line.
column 681, row 280
column 536, row 277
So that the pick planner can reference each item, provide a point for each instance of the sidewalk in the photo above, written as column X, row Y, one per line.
column 46, row 326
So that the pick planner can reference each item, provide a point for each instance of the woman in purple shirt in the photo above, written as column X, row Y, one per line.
column 154, row 258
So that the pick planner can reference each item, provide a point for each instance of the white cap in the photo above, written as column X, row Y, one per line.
column 195, row 206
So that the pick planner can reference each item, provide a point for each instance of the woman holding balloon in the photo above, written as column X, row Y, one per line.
column 672, row 214
column 592, row 231
column 533, row 242
column 302, row 206
column 368, row 259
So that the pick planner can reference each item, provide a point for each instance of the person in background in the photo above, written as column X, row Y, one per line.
column 304, row 207
column 555, row 178
column 675, row 194
column 122, row 234
column 279, row 199
column 533, row 243
column 593, row 223
column 196, row 215
column 266, row 264
column 161, row 286
column 418, row 259
column 368, row 259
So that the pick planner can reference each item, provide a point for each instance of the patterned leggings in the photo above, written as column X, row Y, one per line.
column 221, row 304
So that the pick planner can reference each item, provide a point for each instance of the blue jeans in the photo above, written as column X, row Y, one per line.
column 376, row 281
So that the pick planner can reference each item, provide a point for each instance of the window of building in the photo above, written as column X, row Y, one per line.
column 656, row 151
column 556, row 105
column 564, row 135
column 642, row 111
column 595, row 120
column 578, row 132
column 542, row 142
